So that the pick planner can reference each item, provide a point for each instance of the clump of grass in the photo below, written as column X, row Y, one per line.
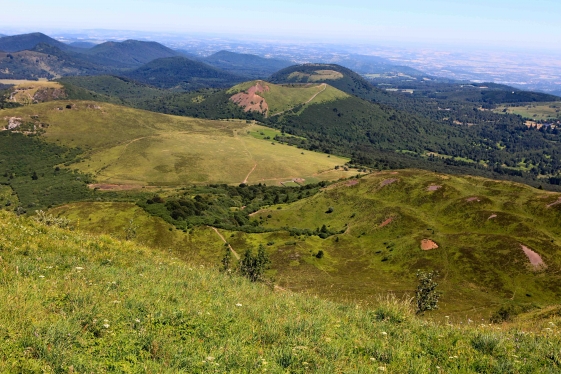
column 81, row 303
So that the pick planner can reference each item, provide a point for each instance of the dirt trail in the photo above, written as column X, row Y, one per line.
column 558, row 202
column 248, row 174
column 224, row 240
column 323, row 86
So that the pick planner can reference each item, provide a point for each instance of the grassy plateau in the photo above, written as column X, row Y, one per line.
column 137, row 147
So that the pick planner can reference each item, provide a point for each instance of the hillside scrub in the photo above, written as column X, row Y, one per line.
column 81, row 303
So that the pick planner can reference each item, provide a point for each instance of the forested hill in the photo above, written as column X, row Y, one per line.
column 337, row 76
column 182, row 73
column 247, row 65
column 131, row 52
column 28, row 41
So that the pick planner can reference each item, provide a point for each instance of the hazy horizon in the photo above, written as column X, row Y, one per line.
column 506, row 25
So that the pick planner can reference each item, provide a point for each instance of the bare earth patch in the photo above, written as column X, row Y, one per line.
column 472, row 199
column 492, row 216
column 114, row 187
column 386, row 222
column 387, row 182
column 433, row 187
column 555, row 203
column 535, row 259
column 353, row 182
column 427, row 245
column 250, row 100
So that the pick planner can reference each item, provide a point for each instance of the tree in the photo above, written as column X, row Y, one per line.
column 253, row 266
column 227, row 259
column 426, row 294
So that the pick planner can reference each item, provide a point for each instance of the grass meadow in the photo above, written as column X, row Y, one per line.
column 137, row 147
column 76, row 302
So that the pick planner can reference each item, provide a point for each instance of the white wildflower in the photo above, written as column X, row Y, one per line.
column 106, row 325
column 238, row 304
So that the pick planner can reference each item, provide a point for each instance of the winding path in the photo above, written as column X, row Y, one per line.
column 224, row 240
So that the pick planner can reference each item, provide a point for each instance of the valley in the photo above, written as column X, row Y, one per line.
column 165, row 209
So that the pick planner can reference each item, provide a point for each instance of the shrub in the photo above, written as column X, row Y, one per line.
column 253, row 266
column 426, row 295
column 50, row 220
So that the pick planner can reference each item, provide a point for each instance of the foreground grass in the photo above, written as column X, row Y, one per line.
column 80, row 303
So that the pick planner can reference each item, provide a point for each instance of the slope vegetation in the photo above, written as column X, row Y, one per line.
column 478, row 230
column 86, row 303
column 273, row 100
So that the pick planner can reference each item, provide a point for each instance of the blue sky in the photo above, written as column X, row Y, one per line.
column 512, row 23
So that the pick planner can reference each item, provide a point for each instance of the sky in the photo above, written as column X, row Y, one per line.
column 532, row 24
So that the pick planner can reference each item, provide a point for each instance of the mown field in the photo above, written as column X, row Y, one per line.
column 537, row 112
column 74, row 302
column 137, row 147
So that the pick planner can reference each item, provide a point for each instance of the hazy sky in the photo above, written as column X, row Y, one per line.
column 513, row 23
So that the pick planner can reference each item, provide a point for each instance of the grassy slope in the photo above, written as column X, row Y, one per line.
column 480, row 259
column 281, row 98
column 81, row 303
column 139, row 147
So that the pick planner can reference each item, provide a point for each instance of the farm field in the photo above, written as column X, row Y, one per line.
column 143, row 148
column 537, row 111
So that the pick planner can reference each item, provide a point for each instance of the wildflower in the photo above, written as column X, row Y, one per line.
column 106, row 325
column 238, row 304
column 372, row 359
column 384, row 333
column 382, row 368
column 210, row 358
column 41, row 276
column 137, row 320
column 79, row 268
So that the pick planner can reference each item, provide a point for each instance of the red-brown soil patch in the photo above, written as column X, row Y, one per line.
column 555, row 203
column 387, row 182
column 427, row 245
column 492, row 216
column 386, row 222
column 472, row 199
column 535, row 259
column 433, row 187
column 250, row 100
column 353, row 182
column 114, row 187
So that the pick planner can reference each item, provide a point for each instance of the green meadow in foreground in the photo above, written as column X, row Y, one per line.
column 74, row 302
